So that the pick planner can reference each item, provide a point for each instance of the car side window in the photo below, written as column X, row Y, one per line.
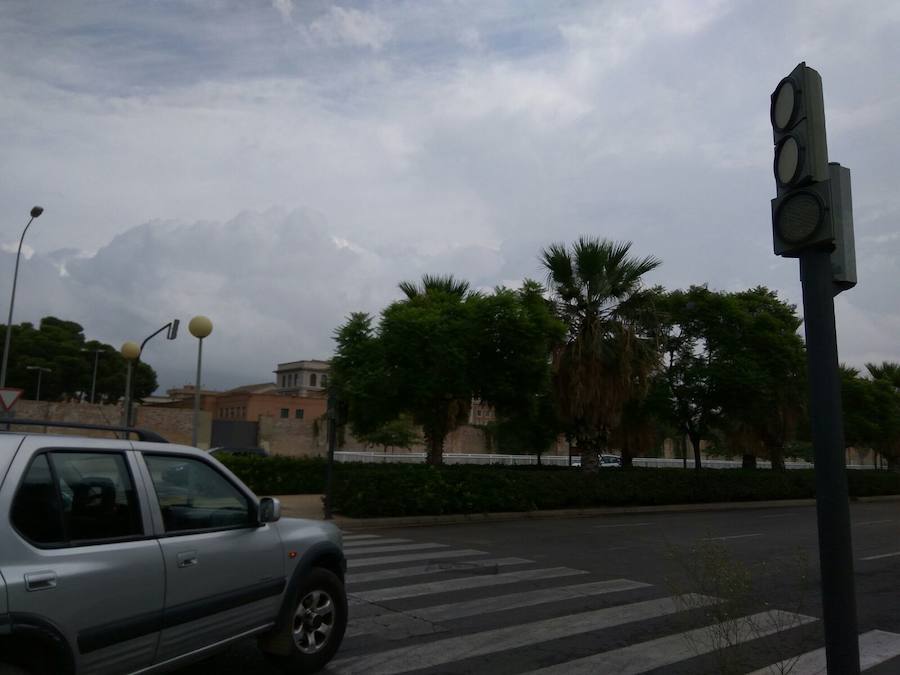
column 77, row 498
column 193, row 496
column 36, row 512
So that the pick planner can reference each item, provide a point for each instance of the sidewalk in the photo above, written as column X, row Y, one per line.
column 310, row 506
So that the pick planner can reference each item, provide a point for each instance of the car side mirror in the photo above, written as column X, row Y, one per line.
column 269, row 510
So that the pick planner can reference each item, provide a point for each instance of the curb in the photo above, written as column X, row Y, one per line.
column 470, row 518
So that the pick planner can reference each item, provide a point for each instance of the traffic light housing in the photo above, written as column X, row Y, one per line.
column 797, row 113
column 802, row 213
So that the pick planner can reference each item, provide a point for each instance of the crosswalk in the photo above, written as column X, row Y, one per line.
column 427, row 606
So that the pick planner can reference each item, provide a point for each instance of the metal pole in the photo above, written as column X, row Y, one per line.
column 832, row 501
column 37, row 395
column 127, row 401
column 197, row 394
column 332, row 442
column 94, row 378
column 12, row 301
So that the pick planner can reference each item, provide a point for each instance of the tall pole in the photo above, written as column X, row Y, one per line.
column 94, row 378
column 200, row 327
column 126, row 408
column 332, row 442
column 832, row 501
column 35, row 212
column 197, row 394
column 37, row 395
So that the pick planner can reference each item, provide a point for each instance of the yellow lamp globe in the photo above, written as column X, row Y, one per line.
column 130, row 350
column 200, row 326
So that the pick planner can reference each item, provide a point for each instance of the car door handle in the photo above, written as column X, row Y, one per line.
column 40, row 581
column 187, row 559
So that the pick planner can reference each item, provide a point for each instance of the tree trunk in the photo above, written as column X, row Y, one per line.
column 695, row 442
column 749, row 461
column 435, row 453
column 776, row 454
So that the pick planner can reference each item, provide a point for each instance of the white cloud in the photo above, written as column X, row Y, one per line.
column 339, row 27
column 285, row 8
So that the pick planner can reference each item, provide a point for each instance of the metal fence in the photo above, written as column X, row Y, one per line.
column 549, row 460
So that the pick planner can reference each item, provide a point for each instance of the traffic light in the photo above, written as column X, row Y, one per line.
column 802, row 214
column 843, row 258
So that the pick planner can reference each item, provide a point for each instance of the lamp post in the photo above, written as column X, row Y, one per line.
column 200, row 327
column 40, row 371
column 94, row 377
column 130, row 351
column 35, row 212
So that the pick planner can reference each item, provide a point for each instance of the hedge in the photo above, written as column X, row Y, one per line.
column 374, row 490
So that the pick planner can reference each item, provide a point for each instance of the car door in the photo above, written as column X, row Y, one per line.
column 81, row 555
column 224, row 571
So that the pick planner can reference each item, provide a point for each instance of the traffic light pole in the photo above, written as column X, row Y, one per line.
column 832, row 501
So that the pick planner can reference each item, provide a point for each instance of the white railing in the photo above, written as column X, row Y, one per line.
column 549, row 460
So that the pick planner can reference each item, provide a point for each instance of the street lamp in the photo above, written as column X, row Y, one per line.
column 94, row 378
column 200, row 327
column 130, row 351
column 35, row 212
column 40, row 371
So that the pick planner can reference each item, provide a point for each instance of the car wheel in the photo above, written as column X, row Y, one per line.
column 316, row 628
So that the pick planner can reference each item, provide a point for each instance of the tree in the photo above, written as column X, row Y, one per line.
column 886, row 411
column 693, row 326
column 609, row 352
column 436, row 349
column 58, row 344
column 762, row 381
column 398, row 433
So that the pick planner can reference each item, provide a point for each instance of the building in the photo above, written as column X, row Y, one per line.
column 302, row 377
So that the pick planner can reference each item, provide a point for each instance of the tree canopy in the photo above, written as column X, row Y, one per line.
column 435, row 350
column 61, row 346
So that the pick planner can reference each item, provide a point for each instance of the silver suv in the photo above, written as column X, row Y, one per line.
column 121, row 556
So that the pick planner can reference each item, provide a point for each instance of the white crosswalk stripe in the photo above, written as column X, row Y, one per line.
column 436, row 567
column 397, row 548
column 875, row 647
column 359, row 545
column 665, row 651
column 356, row 563
column 464, row 583
column 440, row 652
column 423, row 621
column 359, row 537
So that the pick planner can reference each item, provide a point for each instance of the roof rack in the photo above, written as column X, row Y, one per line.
column 142, row 434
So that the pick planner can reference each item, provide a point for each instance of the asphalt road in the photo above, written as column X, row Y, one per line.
column 594, row 595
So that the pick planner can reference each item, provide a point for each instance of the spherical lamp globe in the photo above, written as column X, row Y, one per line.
column 200, row 327
column 130, row 350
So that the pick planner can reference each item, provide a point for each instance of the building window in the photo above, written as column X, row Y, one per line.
column 298, row 413
column 312, row 380
column 284, row 413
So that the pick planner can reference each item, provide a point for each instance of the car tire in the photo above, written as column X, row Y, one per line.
column 315, row 629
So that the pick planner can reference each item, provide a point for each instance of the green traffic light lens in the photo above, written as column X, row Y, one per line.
column 787, row 161
column 799, row 217
column 783, row 105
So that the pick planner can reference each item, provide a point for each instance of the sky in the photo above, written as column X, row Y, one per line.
column 276, row 165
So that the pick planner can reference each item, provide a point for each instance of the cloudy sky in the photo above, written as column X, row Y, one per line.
column 278, row 164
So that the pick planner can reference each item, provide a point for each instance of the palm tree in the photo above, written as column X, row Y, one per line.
column 887, row 370
column 434, row 284
column 608, row 354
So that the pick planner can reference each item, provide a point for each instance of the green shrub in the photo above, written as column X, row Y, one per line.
column 375, row 490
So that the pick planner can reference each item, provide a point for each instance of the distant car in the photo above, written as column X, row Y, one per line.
column 250, row 450
column 606, row 461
